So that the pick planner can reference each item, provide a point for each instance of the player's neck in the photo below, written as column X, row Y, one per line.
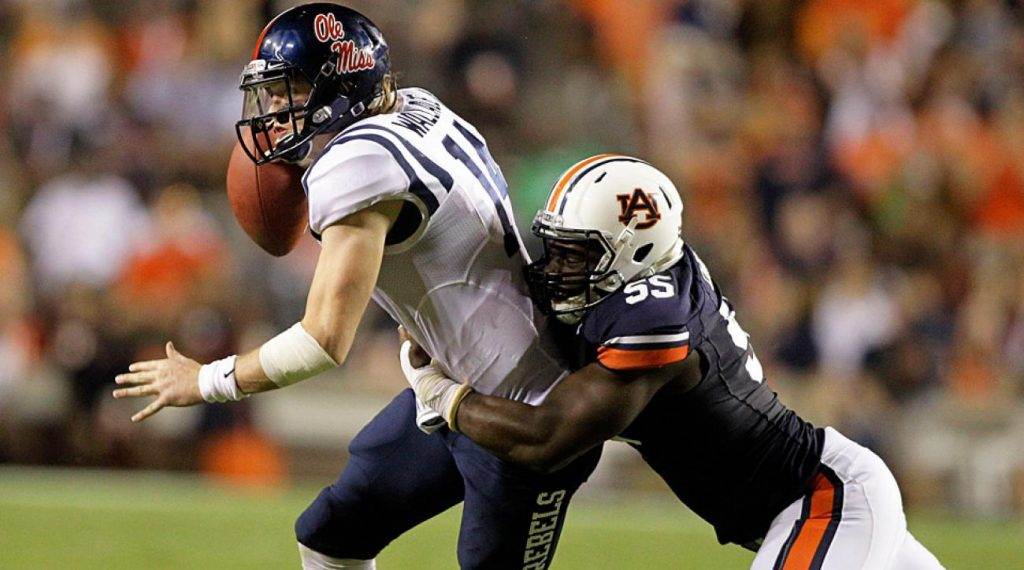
column 396, row 107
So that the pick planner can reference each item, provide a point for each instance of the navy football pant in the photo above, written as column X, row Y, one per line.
column 398, row 477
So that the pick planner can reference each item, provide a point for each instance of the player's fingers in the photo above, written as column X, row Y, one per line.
column 135, row 377
column 404, row 336
column 145, row 365
column 136, row 391
column 153, row 407
column 418, row 352
column 171, row 351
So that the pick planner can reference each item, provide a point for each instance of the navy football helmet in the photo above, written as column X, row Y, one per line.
column 316, row 69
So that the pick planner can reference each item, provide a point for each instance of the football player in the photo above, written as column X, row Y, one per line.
column 412, row 211
column 668, row 368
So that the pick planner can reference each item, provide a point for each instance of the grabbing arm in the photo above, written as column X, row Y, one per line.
column 585, row 409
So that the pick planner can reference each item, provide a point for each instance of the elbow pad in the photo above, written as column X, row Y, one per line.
column 293, row 356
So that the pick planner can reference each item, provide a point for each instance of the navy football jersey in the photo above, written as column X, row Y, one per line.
column 717, row 434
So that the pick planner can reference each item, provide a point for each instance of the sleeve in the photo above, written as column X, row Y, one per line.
column 349, row 177
column 644, row 351
column 645, row 336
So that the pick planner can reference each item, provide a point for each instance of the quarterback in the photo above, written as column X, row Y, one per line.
column 411, row 211
column 665, row 365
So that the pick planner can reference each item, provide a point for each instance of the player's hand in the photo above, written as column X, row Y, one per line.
column 417, row 356
column 174, row 381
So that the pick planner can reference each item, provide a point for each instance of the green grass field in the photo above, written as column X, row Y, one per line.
column 111, row 520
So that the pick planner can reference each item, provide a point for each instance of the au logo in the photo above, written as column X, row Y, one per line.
column 633, row 204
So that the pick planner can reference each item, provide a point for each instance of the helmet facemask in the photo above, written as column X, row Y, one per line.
column 283, row 110
column 273, row 125
column 575, row 272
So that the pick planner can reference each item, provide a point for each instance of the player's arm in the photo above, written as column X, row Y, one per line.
column 345, row 276
column 346, row 273
column 585, row 409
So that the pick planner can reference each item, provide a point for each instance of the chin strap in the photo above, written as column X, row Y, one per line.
column 300, row 155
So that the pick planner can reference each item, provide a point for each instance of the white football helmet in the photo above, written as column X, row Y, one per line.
column 610, row 219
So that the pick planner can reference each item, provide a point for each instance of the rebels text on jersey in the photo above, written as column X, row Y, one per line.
column 726, row 446
column 451, row 273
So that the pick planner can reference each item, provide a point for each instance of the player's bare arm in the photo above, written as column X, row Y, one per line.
column 587, row 408
column 345, row 276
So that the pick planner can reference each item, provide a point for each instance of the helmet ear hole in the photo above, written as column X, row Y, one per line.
column 642, row 252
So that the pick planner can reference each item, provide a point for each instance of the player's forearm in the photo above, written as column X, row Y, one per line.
column 586, row 408
column 249, row 374
column 332, row 320
column 341, row 289
column 289, row 357
column 532, row 436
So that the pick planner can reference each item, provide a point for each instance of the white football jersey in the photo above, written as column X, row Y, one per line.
column 452, row 275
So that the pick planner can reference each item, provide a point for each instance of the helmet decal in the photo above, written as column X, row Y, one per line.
column 634, row 204
column 351, row 60
column 327, row 28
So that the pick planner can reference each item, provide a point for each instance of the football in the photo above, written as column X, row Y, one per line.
column 268, row 201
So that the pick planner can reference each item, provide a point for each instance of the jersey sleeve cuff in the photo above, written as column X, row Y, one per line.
column 640, row 352
column 327, row 220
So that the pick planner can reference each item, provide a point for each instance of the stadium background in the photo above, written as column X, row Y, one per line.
column 853, row 173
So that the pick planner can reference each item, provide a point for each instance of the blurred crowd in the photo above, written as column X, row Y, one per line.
column 852, row 170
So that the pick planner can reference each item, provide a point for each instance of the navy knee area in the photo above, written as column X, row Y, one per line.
column 340, row 527
column 396, row 477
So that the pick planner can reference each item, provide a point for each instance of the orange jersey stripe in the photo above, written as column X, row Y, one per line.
column 556, row 193
column 801, row 555
column 618, row 359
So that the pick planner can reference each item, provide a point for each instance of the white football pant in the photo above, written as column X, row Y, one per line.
column 852, row 519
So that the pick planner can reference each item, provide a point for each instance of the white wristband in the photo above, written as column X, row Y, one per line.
column 293, row 356
column 217, row 381
column 433, row 387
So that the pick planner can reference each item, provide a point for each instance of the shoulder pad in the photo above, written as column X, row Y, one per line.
column 647, row 324
column 366, row 164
